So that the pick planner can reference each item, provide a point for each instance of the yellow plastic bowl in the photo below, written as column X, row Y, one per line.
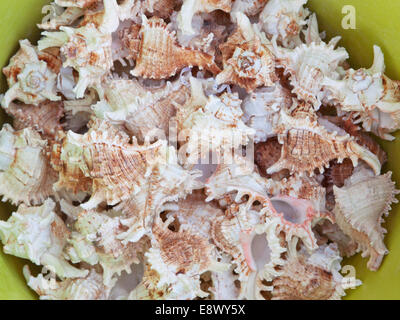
column 377, row 22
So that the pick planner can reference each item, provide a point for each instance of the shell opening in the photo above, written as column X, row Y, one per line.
column 207, row 165
column 127, row 282
column 260, row 251
column 289, row 212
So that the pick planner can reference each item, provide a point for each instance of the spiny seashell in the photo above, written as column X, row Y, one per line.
column 359, row 212
column 284, row 20
column 160, row 62
column 191, row 7
column 87, row 50
column 371, row 94
column 193, row 211
column 310, row 277
column 251, row 64
column 145, row 112
column 38, row 234
column 250, row 237
column 105, row 20
column 302, row 187
column 44, row 118
column 210, row 120
column 308, row 66
column 25, row 172
column 126, row 42
column 297, row 217
column 307, row 146
column 180, row 257
column 166, row 182
column 58, row 16
column 89, row 287
column 102, row 229
column 30, row 79
column 248, row 7
column 261, row 110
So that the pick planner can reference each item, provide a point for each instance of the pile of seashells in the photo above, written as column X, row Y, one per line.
column 194, row 149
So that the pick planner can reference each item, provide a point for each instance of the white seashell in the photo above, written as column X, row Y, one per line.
column 38, row 234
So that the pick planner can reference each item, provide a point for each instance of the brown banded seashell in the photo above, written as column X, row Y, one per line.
column 26, row 175
column 284, row 20
column 90, row 287
column 307, row 146
column 308, row 66
column 44, row 118
column 29, row 77
column 192, row 7
column 39, row 234
column 310, row 277
column 359, row 211
column 180, row 257
column 337, row 173
column 160, row 62
column 251, row 64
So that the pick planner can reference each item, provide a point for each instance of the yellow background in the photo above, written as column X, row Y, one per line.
column 377, row 22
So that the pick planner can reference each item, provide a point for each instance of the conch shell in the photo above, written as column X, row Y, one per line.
column 250, row 64
column 359, row 212
column 29, row 77
column 160, row 62
column 25, row 173
column 370, row 95
column 39, row 234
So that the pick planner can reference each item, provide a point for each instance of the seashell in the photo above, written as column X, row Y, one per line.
column 308, row 67
column 248, row 7
column 251, row 64
column 29, row 77
column 302, row 187
column 359, row 212
column 284, row 20
column 193, row 211
column 44, row 118
column 370, row 94
column 105, row 20
column 337, row 173
column 261, row 110
column 87, row 50
column 89, row 287
column 102, row 229
column 25, row 173
column 38, row 234
column 157, row 62
column 192, row 7
column 307, row 146
column 126, row 42
column 250, row 237
column 167, row 182
column 204, row 120
column 310, row 277
column 223, row 283
column 180, row 257
column 145, row 112
column 58, row 16
column 297, row 217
